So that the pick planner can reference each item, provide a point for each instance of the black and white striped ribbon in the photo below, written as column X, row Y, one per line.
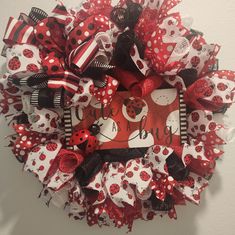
column 36, row 81
column 100, row 65
column 34, row 98
column 100, row 84
column 47, row 98
column 37, row 14
column 68, row 127
column 183, row 118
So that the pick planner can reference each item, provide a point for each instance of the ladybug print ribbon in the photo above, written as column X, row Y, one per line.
column 53, row 165
column 82, row 48
column 10, row 101
column 212, row 92
column 23, row 60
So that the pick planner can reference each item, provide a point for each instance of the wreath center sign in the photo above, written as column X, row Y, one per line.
column 113, row 107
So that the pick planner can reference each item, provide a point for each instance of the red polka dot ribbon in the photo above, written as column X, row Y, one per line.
column 26, row 140
column 171, row 46
column 62, row 54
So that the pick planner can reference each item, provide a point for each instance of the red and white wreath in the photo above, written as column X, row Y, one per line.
column 92, row 52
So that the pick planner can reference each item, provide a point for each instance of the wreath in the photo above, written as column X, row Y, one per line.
column 136, row 61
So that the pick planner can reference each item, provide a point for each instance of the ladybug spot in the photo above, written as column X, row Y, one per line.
column 40, row 36
column 73, row 41
column 54, row 68
column 91, row 26
column 50, row 25
column 79, row 32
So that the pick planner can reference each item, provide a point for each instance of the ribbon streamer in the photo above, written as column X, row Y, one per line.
column 146, row 86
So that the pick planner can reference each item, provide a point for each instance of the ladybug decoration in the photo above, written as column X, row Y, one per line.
column 134, row 106
column 14, row 63
column 85, row 139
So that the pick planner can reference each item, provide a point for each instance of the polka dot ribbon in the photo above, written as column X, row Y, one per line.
column 60, row 55
column 172, row 46
column 113, row 181
column 26, row 140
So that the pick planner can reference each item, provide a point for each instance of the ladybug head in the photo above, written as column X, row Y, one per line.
column 94, row 129
column 126, row 102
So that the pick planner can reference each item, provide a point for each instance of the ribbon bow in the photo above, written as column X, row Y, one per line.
column 53, row 165
column 62, row 55
column 214, row 91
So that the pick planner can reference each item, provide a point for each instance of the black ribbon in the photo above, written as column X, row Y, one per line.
column 48, row 98
column 159, row 205
column 35, row 81
column 122, row 155
column 176, row 168
column 89, row 168
column 37, row 14
column 123, row 46
column 94, row 162
column 126, row 17
column 22, row 119
column 123, row 18
column 189, row 76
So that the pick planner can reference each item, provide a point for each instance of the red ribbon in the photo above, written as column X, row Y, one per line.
column 82, row 56
column 127, row 78
column 18, row 32
column 69, row 160
column 26, row 140
column 146, row 86
column 78, row 49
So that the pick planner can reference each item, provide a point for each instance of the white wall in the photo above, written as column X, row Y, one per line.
column 21, row 213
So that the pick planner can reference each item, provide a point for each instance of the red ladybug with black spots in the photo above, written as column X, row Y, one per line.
column 86, row 139
column 134, row 107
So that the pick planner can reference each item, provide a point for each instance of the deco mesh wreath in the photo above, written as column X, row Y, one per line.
column 113, row 107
